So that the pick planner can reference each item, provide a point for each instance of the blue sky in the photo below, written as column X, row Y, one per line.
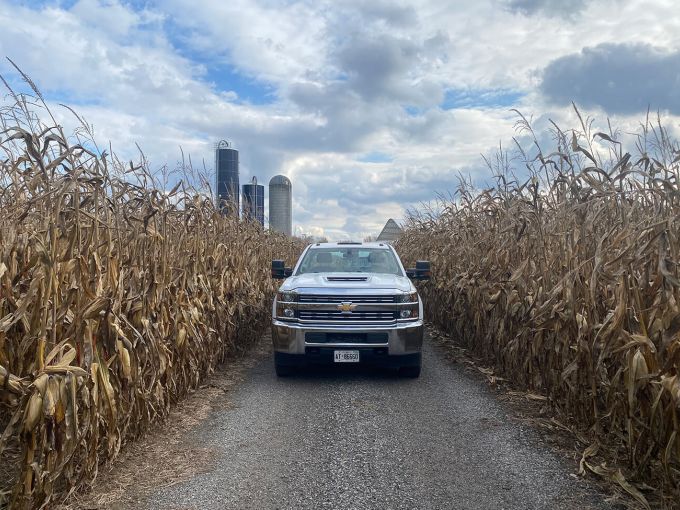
column 226, row 77
column 369, row 107
column 480, row 98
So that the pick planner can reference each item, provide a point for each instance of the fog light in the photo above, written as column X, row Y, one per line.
column 405, row 314
column 290, row 313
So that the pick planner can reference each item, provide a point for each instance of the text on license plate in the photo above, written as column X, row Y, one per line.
column 347, row 356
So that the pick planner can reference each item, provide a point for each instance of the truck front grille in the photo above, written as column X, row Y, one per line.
column 319, row 298
column 326, row 315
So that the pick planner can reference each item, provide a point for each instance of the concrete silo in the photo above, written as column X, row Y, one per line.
column 281, row 205
column 226, row 177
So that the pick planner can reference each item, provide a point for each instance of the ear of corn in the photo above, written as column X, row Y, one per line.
column 568, row 283
column 116, row 297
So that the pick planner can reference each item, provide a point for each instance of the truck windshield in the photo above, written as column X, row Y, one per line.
column 350, row 260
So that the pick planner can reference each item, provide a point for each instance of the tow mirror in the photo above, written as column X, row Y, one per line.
column 422, row 271
column 279, row 270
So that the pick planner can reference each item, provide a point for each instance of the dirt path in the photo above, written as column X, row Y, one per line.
column 343, row 439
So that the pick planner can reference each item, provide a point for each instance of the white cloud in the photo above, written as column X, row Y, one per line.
column 275, row 41
column 346, row 79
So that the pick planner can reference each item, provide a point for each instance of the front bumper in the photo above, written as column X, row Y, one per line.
column 402, row 337
column 376, row 357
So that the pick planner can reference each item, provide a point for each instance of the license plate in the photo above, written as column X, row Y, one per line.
column 347, row 356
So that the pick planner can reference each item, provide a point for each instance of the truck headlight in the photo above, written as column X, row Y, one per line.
column 408, row 297
column 285, row 311
column 286, row 297
column 286, row 305
column 410, row 312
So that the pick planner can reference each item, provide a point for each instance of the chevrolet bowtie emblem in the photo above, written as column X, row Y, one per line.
column 346, row 307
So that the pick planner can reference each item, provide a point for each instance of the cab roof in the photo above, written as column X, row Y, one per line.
column 350, row 244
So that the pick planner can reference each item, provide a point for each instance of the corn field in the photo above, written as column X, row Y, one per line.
column 567, row 281
column 116, row 297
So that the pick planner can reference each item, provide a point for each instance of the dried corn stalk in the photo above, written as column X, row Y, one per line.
column 569, row 284
column 116, row 297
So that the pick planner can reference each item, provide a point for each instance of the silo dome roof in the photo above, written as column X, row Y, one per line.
column 280, row 180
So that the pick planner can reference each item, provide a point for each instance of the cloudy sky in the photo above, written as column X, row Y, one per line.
column 370, row 107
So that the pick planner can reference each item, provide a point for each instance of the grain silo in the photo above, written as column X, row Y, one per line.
column 281, row 205
column 226, row 176
column 253, row 201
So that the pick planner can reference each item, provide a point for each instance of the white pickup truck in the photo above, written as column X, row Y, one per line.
column 348, row 303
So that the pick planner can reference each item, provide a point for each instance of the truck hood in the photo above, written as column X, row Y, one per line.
column 364, row 281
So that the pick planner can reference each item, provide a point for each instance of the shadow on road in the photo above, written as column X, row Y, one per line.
column 343, row 372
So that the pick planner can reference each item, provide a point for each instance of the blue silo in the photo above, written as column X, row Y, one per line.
column 226, row 177
column 253, row 201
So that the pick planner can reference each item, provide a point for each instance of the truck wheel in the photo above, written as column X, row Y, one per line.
column 411, row 372
column 283, row 370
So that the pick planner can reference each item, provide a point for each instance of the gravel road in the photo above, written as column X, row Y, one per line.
column 354, row 439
